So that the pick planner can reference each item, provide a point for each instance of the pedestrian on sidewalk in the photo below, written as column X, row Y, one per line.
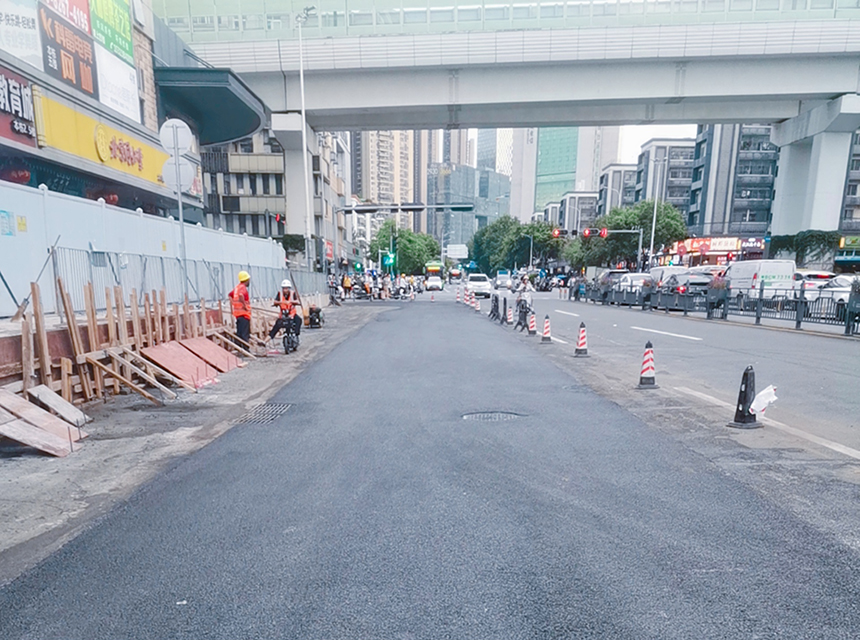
column 241, row 302
column 287, row 300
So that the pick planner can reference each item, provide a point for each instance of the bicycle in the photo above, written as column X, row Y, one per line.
column 291, row 340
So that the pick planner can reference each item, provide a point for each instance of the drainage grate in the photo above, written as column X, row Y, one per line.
column 492, row 416
column 263, row 414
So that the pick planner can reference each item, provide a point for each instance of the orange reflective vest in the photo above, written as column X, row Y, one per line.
column 241, row 301
column 287, row 303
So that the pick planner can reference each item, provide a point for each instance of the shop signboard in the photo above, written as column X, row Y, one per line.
column 68, row 53
column 79, row 134
column 850, row 242
column 752, row 244
column 723, row 245
column 17, row 120
column 117, row 84
column 329, row 250
column 75, row 12
column 111, row 24
column 19, row 35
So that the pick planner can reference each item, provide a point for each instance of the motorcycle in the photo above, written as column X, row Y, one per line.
column 524, row 309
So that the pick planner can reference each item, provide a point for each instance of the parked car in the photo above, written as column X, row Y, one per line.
column 808, row 279
column 709, row 269
column 837, row 289
column 631, row 281
column 434, row 283
column 611, row 276
column 659, row 274
column 480, row 285
column 687, row 283
column 745, row 278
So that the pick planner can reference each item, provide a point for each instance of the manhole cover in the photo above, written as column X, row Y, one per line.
column 263, row 414
column 491, row 416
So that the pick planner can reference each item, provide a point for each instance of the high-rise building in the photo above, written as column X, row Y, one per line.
column 523, row 173
column 665, row 171
column 495, row 150
column 616, row 187
column 733, row 178
column 455, row 146
column 555, row 171
column 383, row 167
column 597, row 147
column 577, row 210
column 486, row 155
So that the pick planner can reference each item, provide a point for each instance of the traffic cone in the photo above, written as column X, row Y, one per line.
column 477, row 306
column 458, row 296
column 546, row 337
column 432, row 297
column 647, row 379
column 744, row 418
column 510, row 315
column 412, row 297
column 532, row 325
column 581, row 350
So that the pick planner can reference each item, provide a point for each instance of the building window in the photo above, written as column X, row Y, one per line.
column 276, row 21
column 680, row 174
column 230, row 203
column 741, row 5
column 253, row 22
column 716, row 5
column 213, row 183
column 252, row 183
column 227, row 185
column 242, row 222
column 245, row 146
column 767, row 5
column 203, row 23
column 468, row 14
column 388, row 16
column 495, row 12
column 331, row 19
column 851, row 213
column 855, row 164
column 266, row 184
column 255, row 225
column 852, row 189
column 442, row 15
column 228, row 23
column 525, row 11
column 179, row 23
column 360, row 18
column 681, row 154
column 414, row 16
column 552, row 11
column 279, row 184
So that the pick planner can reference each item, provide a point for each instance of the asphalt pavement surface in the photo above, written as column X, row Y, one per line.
column 373, row 509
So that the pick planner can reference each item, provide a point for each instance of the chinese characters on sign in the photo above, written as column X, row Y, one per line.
column 19, row 35
column 125, row 153
column 77, row 12
column 111, row 20
column 17, row 120
column 68, row 55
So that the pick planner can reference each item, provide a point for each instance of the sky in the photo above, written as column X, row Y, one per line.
column 633, row 136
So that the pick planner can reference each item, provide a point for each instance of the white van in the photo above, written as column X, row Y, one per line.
column 745, row 278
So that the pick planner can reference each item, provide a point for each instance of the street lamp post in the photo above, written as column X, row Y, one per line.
column 301, row 18
column 655, row 161
column 531, row 248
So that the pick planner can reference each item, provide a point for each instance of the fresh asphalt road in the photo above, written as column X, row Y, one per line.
column 817, row 377
column 372, row 510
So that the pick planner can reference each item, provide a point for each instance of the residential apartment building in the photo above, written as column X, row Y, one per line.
column 597, row 147
column 495, row 150
column 665, row 172
column 848, row 254
column 578, row 210
column 732, row 187
column 383, row 170
column 616, row 187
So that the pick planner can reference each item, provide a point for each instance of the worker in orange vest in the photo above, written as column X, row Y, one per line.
column 242, row 306
column 287, row 300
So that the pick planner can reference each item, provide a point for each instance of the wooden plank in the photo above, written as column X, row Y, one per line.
column 165, row 318
column 204, row 320
column 45, row 373
column 147, row 319
column 27, row 364
column 121, row 322
column 25, row 433
column 136, row 332
column 75, row 337
column 153, row 370
column 65, row 379
column 182, row 363
column 177, row 334
column 229, row 344
column 157, row 325
column 186, row 320
column 92, row 322
column 125, row 381
column 66, row 410
column 140, row 372
column 207, row 350
column 39, row 417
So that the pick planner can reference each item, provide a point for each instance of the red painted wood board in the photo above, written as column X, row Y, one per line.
column 181, row 363
column 25, row 410
column 32, row 436
column 207, row 350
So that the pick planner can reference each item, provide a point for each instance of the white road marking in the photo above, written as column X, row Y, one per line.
column 829, row 444
column 666, row 333
column 567, row 313
column 559, row 340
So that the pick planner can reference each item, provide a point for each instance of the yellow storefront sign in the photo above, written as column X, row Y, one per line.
column 63, row 128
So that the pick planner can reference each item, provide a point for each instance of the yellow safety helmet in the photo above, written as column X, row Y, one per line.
column 244, row 276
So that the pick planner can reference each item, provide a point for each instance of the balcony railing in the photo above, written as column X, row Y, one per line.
column 849, row 224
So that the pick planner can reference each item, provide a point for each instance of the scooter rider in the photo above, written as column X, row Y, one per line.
column 287, row 299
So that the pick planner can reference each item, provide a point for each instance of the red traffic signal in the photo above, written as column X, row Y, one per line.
column 556, row 233
column 603, row 232
column 586, row 233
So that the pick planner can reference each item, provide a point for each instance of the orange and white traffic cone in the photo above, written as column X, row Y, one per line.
column 581, row 350
column 474, row 300
column 510, row 315
column 532, row 325
column 546, row 337
column 412, row 297
column 477, row 306
column 647, row 378
column 432, row 297
column 458, row 296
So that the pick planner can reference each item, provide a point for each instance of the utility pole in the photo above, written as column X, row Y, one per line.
column 301, row 18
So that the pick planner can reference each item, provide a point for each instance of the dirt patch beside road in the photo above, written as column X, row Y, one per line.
column 44, row 502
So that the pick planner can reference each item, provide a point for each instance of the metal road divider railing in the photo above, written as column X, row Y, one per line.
column 210, row 280
column 787, row 304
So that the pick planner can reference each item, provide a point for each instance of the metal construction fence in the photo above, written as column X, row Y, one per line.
column 210, row 280
column 789, row 305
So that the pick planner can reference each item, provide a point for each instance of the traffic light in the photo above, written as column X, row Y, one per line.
column 603, row 232
column 586, row 233
column 358, row 266
column 556, row 233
